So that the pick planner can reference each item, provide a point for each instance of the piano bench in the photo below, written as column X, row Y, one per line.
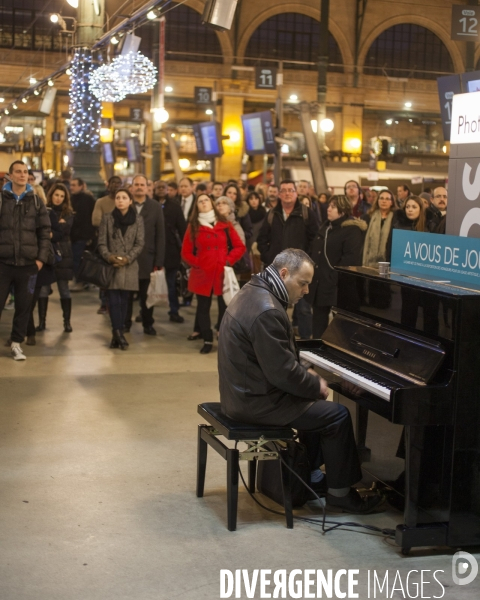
column 256, row 437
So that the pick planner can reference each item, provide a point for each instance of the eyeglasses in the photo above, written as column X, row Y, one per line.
column 441, row 196
column 290, row 191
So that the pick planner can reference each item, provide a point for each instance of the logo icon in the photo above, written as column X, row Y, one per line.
column 464, row 568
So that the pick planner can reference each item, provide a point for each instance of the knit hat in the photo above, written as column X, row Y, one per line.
column 228, row 200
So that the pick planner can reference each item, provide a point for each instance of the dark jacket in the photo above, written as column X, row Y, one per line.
column 344, row 247
column 64, row 268
column 261, row 379
column 295, row 232
column 153, row 253
column 399, row 221
column 82, row 228
column 175, row 227
column 433, row 218
column 243, row 218
column 24, row 230
column 46, row 275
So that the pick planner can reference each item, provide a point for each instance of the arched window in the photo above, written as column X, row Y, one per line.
column 185, row 37
column 408, row 50
column 291, row 36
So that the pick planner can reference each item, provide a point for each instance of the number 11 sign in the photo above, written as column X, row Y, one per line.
column 265, row 78
column 466, row 23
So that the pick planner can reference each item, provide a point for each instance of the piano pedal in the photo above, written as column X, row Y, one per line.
column 372, row 489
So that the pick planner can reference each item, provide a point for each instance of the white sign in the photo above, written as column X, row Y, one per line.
column 466, row 119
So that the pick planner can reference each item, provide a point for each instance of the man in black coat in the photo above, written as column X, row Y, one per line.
column 82, row 232
column 175, row 227
column 289, row 225
column 153, row 254
column 263, row 382
column 24, row 248
column 435, row 214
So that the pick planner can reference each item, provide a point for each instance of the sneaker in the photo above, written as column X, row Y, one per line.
column 17, row 353
column 355, row 504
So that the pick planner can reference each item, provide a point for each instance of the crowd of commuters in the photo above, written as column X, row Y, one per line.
column 192, row 230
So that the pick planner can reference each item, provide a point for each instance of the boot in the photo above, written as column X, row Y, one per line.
column 42, row 314
column 67, row 311
column 119, row 339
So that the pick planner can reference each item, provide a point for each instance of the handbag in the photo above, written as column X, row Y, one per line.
column 243, row 264
column 95, row 270
column 230, row 285
column 269, row 474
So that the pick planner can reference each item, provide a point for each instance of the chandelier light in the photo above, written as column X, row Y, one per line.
column 106, row 85
column 137, row 73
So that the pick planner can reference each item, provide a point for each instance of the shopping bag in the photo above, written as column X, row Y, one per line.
column 230, row 284
column 93, row 269
column 157, row 292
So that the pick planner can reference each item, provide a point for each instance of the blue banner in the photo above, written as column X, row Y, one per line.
column 445, row 258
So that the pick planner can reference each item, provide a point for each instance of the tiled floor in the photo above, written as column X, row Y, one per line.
column 97, row 454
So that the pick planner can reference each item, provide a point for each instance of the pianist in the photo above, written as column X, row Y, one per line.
column 262, row 380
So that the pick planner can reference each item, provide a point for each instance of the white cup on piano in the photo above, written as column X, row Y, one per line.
column 383, row 268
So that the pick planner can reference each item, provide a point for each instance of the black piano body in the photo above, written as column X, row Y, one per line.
column 414, row 344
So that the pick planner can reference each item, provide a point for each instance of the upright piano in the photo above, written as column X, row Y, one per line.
column 408, row 349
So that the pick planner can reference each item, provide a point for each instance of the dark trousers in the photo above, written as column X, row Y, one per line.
column 118, row 303
column 77, row 251
column 23, row 280
column 147, row 313
column 320, row 320
column 31, row 322
column 171, row 277
column 203, row 323
column 327, row 432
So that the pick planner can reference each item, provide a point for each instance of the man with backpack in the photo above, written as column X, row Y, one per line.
column 24, row 248
column 290, row 224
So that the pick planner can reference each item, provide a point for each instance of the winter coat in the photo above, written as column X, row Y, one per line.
column 153, row 253
column 399, row 221
column 82, row 228
column 433, row 218
column 103, row 205
column 344, row 243
column 24, row 229
column 111, row 241
column 295, row 232
column 46, row 275
column 175, row 227
column 261, row 379
column 375, row 247
column 208, row 254
column 243, row 218
column 64, row 268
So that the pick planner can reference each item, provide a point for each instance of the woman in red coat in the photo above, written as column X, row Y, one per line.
column 207, row 249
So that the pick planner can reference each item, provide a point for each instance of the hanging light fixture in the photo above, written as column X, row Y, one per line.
column 106, row 85
column 137, row 72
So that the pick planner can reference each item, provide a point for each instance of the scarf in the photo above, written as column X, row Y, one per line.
column 122, row 222
column 257, row 214
column 272, row 278
column 207, row 219
column 375, row 248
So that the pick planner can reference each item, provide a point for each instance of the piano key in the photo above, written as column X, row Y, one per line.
column 349, row 374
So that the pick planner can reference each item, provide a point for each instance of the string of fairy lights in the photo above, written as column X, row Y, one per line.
column 91, row 84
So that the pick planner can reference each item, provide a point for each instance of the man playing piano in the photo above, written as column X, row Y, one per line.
column 262, row 380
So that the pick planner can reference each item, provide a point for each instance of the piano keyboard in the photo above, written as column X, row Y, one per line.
column 349, row 374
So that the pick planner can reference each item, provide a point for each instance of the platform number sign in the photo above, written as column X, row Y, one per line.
column 265, row 78
column 203, row 95
column 466, row 23
column 447, row 87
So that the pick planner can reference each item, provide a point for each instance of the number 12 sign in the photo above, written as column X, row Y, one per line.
column 466, row 23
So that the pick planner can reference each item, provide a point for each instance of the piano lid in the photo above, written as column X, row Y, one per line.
column 408, row 356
